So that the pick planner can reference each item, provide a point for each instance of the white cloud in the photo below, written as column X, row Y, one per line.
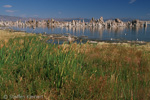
column 132, row 1
column 10, row 11
column 7, row 6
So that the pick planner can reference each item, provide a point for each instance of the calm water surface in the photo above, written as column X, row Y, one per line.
column 132, row 34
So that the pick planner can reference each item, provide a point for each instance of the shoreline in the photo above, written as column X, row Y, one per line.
column 10, row 33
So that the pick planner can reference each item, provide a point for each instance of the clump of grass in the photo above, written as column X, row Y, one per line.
column 29, row 66
column 6, row 34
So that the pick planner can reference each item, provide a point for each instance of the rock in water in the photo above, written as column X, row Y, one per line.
column 69, row 39
column 118, row 20
column 101, row 20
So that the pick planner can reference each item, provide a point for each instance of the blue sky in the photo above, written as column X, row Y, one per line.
column 76, row 8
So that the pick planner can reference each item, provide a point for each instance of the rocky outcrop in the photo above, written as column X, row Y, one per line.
column 115, row 23
column 118, row 20
column 75, row 23
column 137, row 23
column 101, row 20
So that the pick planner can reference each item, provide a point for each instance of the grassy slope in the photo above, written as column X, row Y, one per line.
column 29, row 66
column 5, row 35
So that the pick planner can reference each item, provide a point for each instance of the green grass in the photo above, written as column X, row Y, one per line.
column 29, row 66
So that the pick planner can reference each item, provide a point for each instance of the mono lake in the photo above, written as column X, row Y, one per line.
column 101, row 34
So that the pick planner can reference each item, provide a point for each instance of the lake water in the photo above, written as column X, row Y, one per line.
column 131, row 34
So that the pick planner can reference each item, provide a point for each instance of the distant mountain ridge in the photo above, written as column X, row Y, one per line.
column 9, row 18
column 15, row 18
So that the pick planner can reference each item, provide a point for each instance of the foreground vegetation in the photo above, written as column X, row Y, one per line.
column 29, row 66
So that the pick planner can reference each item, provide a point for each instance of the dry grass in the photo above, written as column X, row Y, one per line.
column 104, row 71
column 5, row 35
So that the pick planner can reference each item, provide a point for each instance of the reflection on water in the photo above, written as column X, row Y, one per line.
column 121, row 33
